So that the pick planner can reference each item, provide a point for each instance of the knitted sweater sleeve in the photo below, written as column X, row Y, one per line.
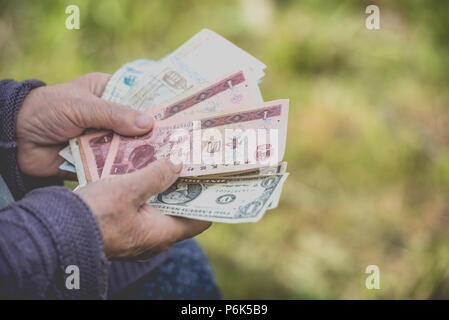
column 12, row 94
column 50, row 242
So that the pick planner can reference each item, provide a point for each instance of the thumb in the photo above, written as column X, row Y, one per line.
column 102, row 114
column 151, row 180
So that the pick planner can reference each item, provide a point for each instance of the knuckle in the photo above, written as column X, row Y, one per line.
column 81, row 110
column 106, row 116
column 83, row 80
column 95, row 74
column 94, row 77
column 108, row 111
column 115, row 113
column 95, row 82
column 78, row 102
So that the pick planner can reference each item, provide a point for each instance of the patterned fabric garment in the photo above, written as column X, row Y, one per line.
column 185, row 274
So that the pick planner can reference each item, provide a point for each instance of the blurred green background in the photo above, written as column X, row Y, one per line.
column 368, row 137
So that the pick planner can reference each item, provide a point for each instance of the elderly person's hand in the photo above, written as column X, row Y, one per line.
column 130, row 227
column 51, row 115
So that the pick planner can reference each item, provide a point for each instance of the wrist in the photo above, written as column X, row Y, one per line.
column 26, row 129
column 11, row 100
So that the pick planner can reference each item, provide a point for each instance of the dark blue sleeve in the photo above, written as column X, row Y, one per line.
column 12, row 94
column 40, row 236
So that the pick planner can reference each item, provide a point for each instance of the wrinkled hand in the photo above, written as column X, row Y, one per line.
column 130, row 227
column 51, row 115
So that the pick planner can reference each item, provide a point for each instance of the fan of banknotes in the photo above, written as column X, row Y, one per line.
column 210, row 115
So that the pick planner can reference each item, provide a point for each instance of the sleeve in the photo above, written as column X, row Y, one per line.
column 12, row 94
column 43, row 237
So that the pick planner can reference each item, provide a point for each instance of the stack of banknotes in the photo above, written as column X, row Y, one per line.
column 210, row 115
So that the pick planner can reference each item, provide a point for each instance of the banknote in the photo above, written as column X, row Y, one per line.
column 162, row 82
column 227, row 199
column 227, row 139
column 277, row 194
column 207, row 55
column 98, row 144
column 233, row 90
column 167, row 82
column 202, row 58
column 279, row 168
column 67, row 166
column 142, row 84
column 74, row 147
column 66, row 154
column 126, row 78
column 121, row 82
column 204, row 89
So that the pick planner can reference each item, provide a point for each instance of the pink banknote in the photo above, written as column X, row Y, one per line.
column 239, row 139
column 234, row 90
column 94, row 150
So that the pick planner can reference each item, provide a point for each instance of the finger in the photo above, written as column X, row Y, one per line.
column 151, row 180
column 103, row 114
column 184, row 228
column 169, row 229
column 95, row 82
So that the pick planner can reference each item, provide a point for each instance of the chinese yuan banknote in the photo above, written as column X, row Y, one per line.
column 143, row 84
column 231, row 141
column 234, row 90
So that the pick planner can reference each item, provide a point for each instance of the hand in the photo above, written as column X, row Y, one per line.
column 51, row 115
column 130, row 227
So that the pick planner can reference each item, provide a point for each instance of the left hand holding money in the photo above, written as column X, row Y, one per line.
column 51, row 115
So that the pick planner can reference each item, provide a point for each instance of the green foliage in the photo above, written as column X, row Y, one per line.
column 368, row 138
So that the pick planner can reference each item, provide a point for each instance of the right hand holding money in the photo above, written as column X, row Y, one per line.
column 130, row 227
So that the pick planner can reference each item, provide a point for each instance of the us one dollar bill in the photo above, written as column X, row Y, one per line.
column 226, row 199
column 279, row 168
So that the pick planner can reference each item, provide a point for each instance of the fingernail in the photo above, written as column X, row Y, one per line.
column 175, row 166
column 144, row 121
